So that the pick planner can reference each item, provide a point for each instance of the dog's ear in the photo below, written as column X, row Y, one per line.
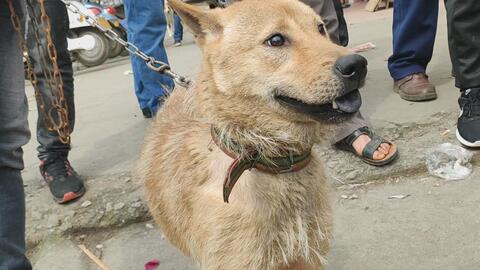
column 201, row 22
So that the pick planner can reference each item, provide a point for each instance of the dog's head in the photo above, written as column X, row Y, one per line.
column 272, row 61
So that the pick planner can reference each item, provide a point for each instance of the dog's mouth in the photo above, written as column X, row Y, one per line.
column 342, row 107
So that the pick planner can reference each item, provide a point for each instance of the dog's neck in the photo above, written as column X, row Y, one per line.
column 252, row 160
column 249, row 123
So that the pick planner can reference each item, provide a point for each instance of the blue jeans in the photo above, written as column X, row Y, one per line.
column 14, row 134
column 146, row 25
column 177, row 25
column 414, row 30
column 50, row 146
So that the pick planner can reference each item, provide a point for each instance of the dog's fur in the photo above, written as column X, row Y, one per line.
column 272, row 221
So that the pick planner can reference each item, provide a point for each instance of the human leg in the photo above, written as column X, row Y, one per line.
column 14, row 134
column 63, row 181
column 342, row 24
column 414, row 30
column 146, row 29
column 326, row 9
column 178, row 27
column 464, row 44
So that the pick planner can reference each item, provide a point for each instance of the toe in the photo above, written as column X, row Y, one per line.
column 384, row 148
column 378, row 155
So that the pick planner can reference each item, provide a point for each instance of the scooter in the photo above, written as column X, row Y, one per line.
column 87, row 45
column 109, row 13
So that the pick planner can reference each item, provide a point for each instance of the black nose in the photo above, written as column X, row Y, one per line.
column 352, row 69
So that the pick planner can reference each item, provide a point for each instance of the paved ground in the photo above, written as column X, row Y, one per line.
column 436, row 227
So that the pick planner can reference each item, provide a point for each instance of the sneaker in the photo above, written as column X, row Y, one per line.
column 177, row 44
column 468, row 125
column 64, row 183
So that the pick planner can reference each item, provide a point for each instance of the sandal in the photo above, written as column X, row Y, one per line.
column 367, row 153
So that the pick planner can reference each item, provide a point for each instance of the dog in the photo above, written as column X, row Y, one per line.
column 229, row 172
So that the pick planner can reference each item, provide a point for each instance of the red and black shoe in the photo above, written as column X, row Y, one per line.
column 64, row 183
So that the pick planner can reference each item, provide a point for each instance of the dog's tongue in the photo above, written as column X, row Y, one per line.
column 350, row 102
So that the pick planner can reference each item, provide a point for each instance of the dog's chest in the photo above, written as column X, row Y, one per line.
column 289, row 212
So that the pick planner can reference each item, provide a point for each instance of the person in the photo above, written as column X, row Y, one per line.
column 178, row 30
column 146, row 26
column 64, row 183
column 414, row 30
column 14, row 133
column 342, row 24
column 355, row 135
column 463, row 25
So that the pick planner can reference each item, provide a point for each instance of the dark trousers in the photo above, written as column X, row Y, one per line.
column 463, row 20
column 342, row 24
column 50, row 147
column 414, row 30
column 14, row 134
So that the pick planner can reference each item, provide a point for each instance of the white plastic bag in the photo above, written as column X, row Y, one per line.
column 448, row 161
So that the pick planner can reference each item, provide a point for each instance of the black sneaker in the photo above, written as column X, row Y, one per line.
column 64, row 183
column 468, row 125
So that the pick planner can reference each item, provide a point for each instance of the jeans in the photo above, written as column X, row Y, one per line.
column 50, row 147
column 414, row 30
column 14, row 134
column 178, row 29
column 146, row 25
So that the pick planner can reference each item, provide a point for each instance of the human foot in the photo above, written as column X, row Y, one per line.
column 468, row 125
column 371, row 148
column 415, row 87
column 362, row 141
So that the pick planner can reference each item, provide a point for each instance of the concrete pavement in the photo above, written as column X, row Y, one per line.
column 433, row 228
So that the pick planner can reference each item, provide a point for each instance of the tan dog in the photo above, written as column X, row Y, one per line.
column 270, row 86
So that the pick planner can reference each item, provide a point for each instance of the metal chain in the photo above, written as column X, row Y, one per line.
column 151, row 62
column 58, row 102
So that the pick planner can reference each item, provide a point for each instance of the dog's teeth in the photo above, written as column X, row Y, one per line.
column 334, row 105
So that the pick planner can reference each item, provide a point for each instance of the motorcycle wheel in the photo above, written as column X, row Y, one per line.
column 99, row 54
column 116, row 48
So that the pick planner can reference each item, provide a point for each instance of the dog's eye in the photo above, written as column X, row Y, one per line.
column 321, row 29
column 276, row 40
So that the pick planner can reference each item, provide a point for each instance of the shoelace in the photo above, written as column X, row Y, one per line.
column 59, row 168
column 472, row 102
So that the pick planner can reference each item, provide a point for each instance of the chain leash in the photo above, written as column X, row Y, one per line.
column 56, row 117
column 54, row 79
column 151, row 62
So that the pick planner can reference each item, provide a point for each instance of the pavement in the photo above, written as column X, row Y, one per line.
column 434, row 226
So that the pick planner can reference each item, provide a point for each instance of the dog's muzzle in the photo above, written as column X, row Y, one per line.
column 352, row 70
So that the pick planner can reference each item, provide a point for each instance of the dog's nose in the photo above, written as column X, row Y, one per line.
column 352, row 69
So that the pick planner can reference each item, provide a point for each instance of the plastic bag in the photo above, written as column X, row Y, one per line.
column 449, row 161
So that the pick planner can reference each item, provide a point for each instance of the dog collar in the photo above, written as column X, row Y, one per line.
column 253, row 160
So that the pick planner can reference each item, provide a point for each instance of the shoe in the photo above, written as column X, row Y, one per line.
column 64, row 183
column 415, row 87
column 177, row 44
column 147, row 113
column 468, row 125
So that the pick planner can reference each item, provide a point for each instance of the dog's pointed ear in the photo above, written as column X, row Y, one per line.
column 201, row 22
